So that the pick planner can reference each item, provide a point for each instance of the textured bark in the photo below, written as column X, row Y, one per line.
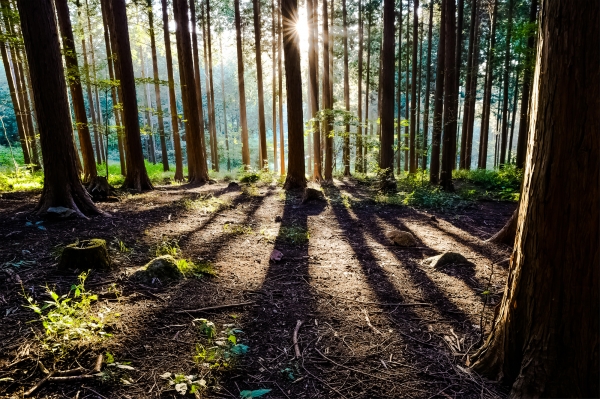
column 473, row 97
column 465, row 158
column 24, row 83
column 358, row 159
column 507, row 234
column 210, row 87
column 458, row 64
column 367, row 87
column 280, row 83
column 525, row 94
column 386, row 159
column 327, row 97
column 136, row 177
column 513, row 114
column 293, row 80
column 506, row 86
column 399, row 96
column 544, row 341
column 87, row 151
column 241, row 86
column 438, row 105
column 225, row 106
column 172, row 98
column 418, row 148
column 62, row 186
column 311, row 15
column 450, row 99
column 487, row 94
column 406, row 98
column 427, row 89
column 412, row 167
column 346, row 154
column 197, row 78
column 262, row 129
column 273, row 84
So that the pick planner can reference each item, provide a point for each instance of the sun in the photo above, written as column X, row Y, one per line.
column 302, row 29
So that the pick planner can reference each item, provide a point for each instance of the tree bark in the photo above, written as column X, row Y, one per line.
column 274, row 84
column 346, row 154
column 412, row 168
column 311, row 14
column 458, row 65
column 225, row 105
column 148, row 110
column 136, row 177
column 513, row 114
column 327, row 98
column 438, row 105
column 197, row 78
column 264, row 158
column 469, row 96
column 241, row 86
column 367, row 87
column 406, row 99
column 62, row 186
column 358, row 159
column 280, row 89
column 87, row 151
column 506, row 86
column 97, row 136
column 525, row 96
column 211, row 90
column 544, row 341
column 473, row 97
column 293, row 80
column 399, row 96
column 427, row 89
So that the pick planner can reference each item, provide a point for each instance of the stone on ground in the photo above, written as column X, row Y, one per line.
column 85, row 255
column 163, row 269
column 445, row 259
column 312, row 194
column 401, row 238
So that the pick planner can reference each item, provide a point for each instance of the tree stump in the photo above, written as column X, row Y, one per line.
column 86, row 254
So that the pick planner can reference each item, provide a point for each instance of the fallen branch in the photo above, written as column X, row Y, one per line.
column 71, row 378
column 37, row 386
column 98, row 366
column 231, row 305
column 295, row 339
column 369, row 323
column 64, row 373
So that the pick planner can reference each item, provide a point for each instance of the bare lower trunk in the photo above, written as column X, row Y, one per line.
column 436, row 135
column 262, row 129
column 241, row 87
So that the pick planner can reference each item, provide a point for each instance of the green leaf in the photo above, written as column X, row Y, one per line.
column 485, row 293
column 254, row 394
column 232, row 339
column 54, row 295
column 239, row 349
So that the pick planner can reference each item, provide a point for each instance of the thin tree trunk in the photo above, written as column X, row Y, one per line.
column 544, row 340
column 485, row 117
column 293, row 78
column 399, row 97
column 97, row 136
column 210, row 87
column 427, row 88
column 514, row 113
column 406, row 100
column 224, row 105
column 311, row 15
column 525, row 96
column 469, row 100
column 413, row 95
column 241, row 87
column 280, row 89
column 358, row 159
column 473, row 96
column 458, row 65
column 148, row 103
column 419, row 83
column 136, row 177
column 197, row 78
column 346, row 154
column 264, row 163
column 367, row 86
column 274, row 85
column 327, row 97
column 506, row 86
column 87, row 152
column 436, row 135
column 62, row 186
column 450, row 99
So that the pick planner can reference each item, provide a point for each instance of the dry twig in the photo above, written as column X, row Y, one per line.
column 231, row 305
column 295, row 339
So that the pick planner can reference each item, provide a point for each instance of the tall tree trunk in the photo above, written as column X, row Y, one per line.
column 506, row 86
column 544, row 341
column 513, row 114
column 406, row 99
column 62, row 186
column 399, row 96
column 327, row 99
column 367, row 86
column 358, row 159
column 293, row 81
column 280, row 89
column 274, row 84
column 412, row 168
column 148, row 111
column 386, row 159
column 241, row 86
column 26, row 93
column 418, row 149
column 473, row 96
column 97, row 136
column 225, row 104
column 458, row 65
column 525, row 96
column 206, row 26
column 469, row 100
column 438, row 104
column 87, row 151
column 346, row 153
column 311, row 15
column 197, row 77
column 172, row 97
column 159, row 111
column 450, row 99
column 427, row 88
column 262, row 129
column 137, row 177
column 487, row 95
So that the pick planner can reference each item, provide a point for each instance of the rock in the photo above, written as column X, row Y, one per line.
column 163, row 269
column 312, row 194
column 277, row 219
column 85, row 255
column 276, row 255
column 445, row 259
column 233, row 185
column 60, row 211
column 401, row 238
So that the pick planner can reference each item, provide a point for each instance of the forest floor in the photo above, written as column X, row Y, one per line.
column 376, row 321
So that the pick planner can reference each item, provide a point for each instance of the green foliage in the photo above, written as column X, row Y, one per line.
column 191, row 269
column 185, row 383
column 256, row 176
column 294, row 234
column 69, row 320
column 206, row 204
column 220, row 349
column 504, row 184
column 167, row 247
column 237, row 229
column 17, row 177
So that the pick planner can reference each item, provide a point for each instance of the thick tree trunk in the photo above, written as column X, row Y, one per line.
column 367, row 88
column 327, row 98
column 544, row 341
column 438, row 104
column 280, row 89
column 427, row 89
column 262, row 129
column 472, row 98
column 346, row 154
column 274, row 84
column 172, row 98
column 487, row 95
column 241, row 86
column 293, row 81
column 87, row 151
column 469, row 98
column 311, row 15
column 358, row 159
column 197, row 78
column 412, row 167
column 406, row 98
column 525, row 96
column 386, row 159
column 458, row 65
column 137, row 177
column 62, row 186
column 206, row 26
column 506, row 86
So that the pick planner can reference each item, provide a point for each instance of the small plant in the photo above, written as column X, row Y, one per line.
column 294, row 234
column 237, row 229
column 116, row 371
column 167, row 247
column 70, row 320
column 250, row 190
column 224, row 349
column 206, row 204
column 191, row 269
column 123, row 248
column 185, row 383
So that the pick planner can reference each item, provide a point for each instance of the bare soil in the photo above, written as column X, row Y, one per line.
column 376, row 321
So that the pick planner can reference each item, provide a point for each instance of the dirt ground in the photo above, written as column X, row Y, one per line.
column 376, row 321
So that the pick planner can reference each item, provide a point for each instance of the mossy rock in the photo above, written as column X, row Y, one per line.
column 163, row 268
column 84, row 255
column 401, row 238
column 446, row 259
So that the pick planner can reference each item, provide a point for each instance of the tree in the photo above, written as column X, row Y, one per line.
column 386, row 159
column 358, row 161
column 85, row 141
column 311, row 14
column 62, row 186
column 172, row 97
column 399, row 94
column 369, row 12
column 262, row 129
column 427, row 87
column 327, row 96
column 293, row 80
column 197, row 78
column 413, row 95
column 280, row 90
column 241, row 86
column 346, row 155
column 506, row 85
column 206, row 27
column 544, row 341
column 136, row 177
column 438, row 104
column 465, row 158
column 273, row 83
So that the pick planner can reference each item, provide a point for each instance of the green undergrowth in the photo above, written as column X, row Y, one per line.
column 187, row 267
column 206, row 204
column 294, row 234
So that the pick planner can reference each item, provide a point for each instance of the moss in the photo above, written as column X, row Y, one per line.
column 85, row 255
column 163, row 268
